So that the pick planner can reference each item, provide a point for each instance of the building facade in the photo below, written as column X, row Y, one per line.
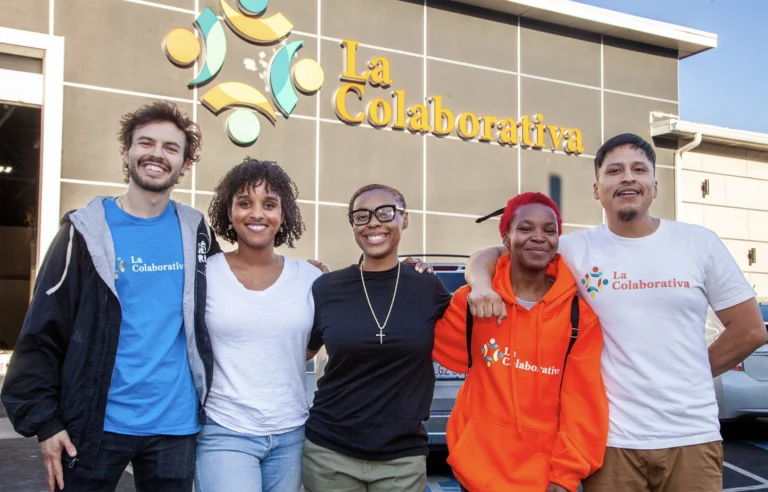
column 530, row 94
column 458, row 104
column 723, row 185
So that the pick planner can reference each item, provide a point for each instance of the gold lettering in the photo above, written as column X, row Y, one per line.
column 574, row 143
column 419, row 120
column 525, row 123
column 399, row 95
column 539, row 119
column 488, row 123
column 508, row 132
column 350, row 57
column 340, row 99
column 442, row 118
column 380, row 72
column 468, row 119
column 379, row 113
column 556, row 134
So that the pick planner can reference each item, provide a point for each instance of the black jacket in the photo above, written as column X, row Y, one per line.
column 61, row 369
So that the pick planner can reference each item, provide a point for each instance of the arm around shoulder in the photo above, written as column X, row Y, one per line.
column 316, row 342
column 484, row 301
column 450, row 348
column 482, row 265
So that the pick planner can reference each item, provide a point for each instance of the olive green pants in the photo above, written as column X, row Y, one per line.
column 324, row 470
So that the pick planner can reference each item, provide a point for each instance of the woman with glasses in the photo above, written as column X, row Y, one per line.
column 259, row 314
column 376, row 320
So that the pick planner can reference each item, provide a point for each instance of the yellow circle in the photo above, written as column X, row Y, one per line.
column 182, row 46
column 308, row 75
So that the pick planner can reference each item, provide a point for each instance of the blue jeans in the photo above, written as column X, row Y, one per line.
column 229, row 461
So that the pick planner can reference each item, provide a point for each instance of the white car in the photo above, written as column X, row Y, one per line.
column 742, row 392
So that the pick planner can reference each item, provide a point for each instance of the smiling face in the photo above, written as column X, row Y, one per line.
column 256, row 215
column 533, row 237
column 379, row 240
column 156, row 156
column 626, row 185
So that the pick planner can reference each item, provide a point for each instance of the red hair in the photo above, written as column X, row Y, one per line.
column 527, row 199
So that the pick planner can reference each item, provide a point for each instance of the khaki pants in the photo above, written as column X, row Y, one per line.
column 324, row 470
column 696, row 468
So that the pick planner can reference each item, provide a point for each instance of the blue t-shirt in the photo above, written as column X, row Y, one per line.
column 152, row 390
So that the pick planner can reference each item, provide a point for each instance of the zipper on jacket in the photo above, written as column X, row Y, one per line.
column 72, row 463
column 194, row 320
column 96, row 383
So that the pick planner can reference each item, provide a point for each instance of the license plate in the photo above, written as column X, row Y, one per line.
column 445, row 374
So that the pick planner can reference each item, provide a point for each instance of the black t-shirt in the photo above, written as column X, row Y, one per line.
column 373, row 398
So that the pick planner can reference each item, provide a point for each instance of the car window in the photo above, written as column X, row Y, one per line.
column 452, row 280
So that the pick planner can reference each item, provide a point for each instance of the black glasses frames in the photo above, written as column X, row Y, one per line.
column 384, row 213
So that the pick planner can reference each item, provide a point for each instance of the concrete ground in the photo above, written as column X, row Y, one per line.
column 745, row 445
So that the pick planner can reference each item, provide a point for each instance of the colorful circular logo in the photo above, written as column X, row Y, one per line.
column 594, row 282
column 491, row 352
column 183, row 48
column 119, row 267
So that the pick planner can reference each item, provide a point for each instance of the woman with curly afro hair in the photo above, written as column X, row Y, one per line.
column 259, row 313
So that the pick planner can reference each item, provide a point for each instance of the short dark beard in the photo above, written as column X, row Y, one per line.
column 150, row 186
column 628, row 215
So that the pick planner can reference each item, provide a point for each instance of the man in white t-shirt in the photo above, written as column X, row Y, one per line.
column 650, row 282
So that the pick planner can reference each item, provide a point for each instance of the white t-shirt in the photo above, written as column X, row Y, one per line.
column 651, row 295
column 259, row 342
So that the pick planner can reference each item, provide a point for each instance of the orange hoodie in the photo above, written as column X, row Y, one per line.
column 512, row 427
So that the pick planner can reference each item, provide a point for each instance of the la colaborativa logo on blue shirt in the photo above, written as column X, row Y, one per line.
column 138, row 266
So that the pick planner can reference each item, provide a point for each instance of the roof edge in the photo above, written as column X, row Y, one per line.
column 719, row 135
column 687, row 41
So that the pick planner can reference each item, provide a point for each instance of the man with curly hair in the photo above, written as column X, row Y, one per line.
column 114, row 361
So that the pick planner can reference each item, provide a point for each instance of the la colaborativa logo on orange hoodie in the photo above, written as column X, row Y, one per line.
column 493, row 353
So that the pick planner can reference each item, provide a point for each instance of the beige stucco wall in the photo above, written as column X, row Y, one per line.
column 477, row 60
column 736, row 207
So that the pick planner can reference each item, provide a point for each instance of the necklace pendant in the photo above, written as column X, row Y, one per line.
column 381, row 334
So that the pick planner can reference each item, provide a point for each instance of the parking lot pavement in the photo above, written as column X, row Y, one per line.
column 745, row 446
column 440, row 478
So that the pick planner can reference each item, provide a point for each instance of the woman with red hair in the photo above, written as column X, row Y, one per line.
column 532, row 414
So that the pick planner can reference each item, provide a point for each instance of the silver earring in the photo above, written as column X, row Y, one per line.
column 230, row 226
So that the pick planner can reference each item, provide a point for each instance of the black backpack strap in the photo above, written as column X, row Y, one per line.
column 574, row 324
column 470, row 322
column 574, row 332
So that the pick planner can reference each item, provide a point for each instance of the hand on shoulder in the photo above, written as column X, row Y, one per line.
column 319, row 265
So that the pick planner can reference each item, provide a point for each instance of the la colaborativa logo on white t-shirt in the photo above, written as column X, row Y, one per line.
column 595, row 282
